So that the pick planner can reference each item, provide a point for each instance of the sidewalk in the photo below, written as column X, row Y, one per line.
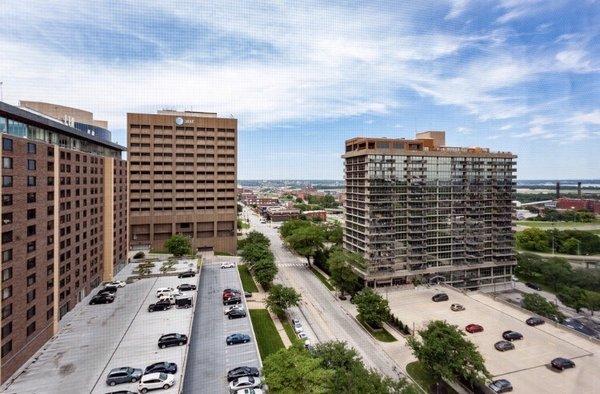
column 258, row 302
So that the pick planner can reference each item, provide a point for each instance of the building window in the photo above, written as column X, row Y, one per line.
column 31, row 296
column 50, row 180
column 6, row 329
column 31, row 165
column 6, row 311
column 7, row 255
column 6, row 348
column 6, row 292
column 7, row 237
column 7, row 181
column 49, row 313
column 7, row 200
column 31, row 148
column 7, row 144
column 31, row 230
column 6, row 274
column 7, row 218
column 31, row 263
column 31, row 246
column 7, row 163
column 31, row 181
column 31, row 280
column 31, row 312
column 30, row 214
column 31, row 198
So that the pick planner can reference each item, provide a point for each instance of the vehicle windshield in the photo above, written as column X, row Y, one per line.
column 162, row 376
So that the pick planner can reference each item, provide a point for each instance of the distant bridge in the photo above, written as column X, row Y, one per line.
column 536, row 203
column 575, row 260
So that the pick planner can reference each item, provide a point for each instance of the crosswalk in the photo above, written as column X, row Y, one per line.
column 291, row 264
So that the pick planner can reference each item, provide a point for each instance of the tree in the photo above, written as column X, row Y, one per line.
column 335, row 233
column 281, row 298
column 290, row 226
column 373, row 309
column 295, row 370
column 445, row 353
column 253, row 237
column 256, row 252
column 556, row 271
column 533, row 239
column 342, row 275
column 538, row 304
column 575, row 297
column 178, row 245
column 307, row 240
column 264, row 272
column 569, row 246
column 528, row 265
column 593, row 301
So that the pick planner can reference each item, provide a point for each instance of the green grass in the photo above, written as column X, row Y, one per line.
column 266, row 334
column 287, row 326
column 419, row 375
column 559, row 225
column 247, row 281
column 381, row 335
column 322, row 278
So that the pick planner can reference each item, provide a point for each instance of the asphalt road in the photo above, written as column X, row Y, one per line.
column 322, row 311
column 209, row 357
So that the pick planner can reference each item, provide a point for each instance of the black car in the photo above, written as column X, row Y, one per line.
column 236, row 314
column 104, row 292
column 109, row 289
column 533, row 286
column 503, row 346
column 186, row 287
column 501, row 386
column 232, row 301
column 172, row 340
column 122, row 392
column 101, row 299
column 161, row 367
column 440, row 297
column 247, row 294
column 562, row 363
column 187, row 274
column 234, row 339
column 160, row 305
column 512, row 335
column 240, row 372
column 534, row 321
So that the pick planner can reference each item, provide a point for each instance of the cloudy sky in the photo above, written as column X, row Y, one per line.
column 302, row 77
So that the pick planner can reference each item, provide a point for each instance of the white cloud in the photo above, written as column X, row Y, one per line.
column 457, row 8
column 592, row 117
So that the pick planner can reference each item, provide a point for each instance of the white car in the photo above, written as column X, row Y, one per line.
column 298, row 328
column 302, row 335
column 249, row 391
column 228, row 265
column 153, row 381
column 116, row 283
column 246, row 382
column 232, row 307
column 164, row 290
column 170, row 296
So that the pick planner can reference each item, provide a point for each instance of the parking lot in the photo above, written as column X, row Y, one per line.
column 526, row 367
column 97, row 338
column 209, row 357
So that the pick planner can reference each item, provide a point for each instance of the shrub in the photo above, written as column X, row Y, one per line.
column 139, row 255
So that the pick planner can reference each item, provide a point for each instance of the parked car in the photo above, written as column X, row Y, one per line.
column 232, row 301
column 186, row 287
column 504, row 346
column 501, row 386
column 302, row 335
column 249, row 391
column 295, row 321
column 123, row 375
column 246, row 382
column 232, row 307
column 234, row 339
column 228, row 290
column 160, row 305
column 187, row 274
column 231, row 293
column 247, row 294
column 534, row 321
column 512, row 335
column 110, row 289
column 562, row 363
column 457, row 307
column 440, row 297
column 184, row 302
column 164, row 290
column 173, row 339
column 162, row 366
column 236, row 314
column 533, row 286
column 116, row 283
column 473, row 328
column 228, row 264
column 155, row 381
column 106, row 293
column 122, row 392
column 101, row 299
column 240, row 372
column 298, row 328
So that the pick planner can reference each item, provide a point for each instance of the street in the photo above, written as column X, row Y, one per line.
column 323, row 312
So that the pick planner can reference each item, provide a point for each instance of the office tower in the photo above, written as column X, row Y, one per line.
column 64, row 226
column 419, row 211
column 183, row 174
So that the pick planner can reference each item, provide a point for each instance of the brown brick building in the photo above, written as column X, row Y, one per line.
column 182, row 179
column 64, row 225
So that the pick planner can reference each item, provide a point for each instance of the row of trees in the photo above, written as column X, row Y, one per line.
column 561, row 241
column 255, row 251
column 575, row 287
column 538, row 304
column 331, row 367
column 552, row 215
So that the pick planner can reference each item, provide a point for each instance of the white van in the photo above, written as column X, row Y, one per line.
column 164, row 290
column 153, row 381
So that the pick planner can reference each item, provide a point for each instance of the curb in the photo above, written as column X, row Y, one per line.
column 250, row 321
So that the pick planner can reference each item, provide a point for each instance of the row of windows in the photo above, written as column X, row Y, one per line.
column 7, row 181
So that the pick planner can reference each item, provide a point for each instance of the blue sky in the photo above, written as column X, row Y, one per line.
column 301, row 77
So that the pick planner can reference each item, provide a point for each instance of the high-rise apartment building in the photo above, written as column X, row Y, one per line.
column 183, row 179
column 64, row 225
column 419, row 211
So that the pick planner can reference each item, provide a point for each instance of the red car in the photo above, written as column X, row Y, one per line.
column 473, row 328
